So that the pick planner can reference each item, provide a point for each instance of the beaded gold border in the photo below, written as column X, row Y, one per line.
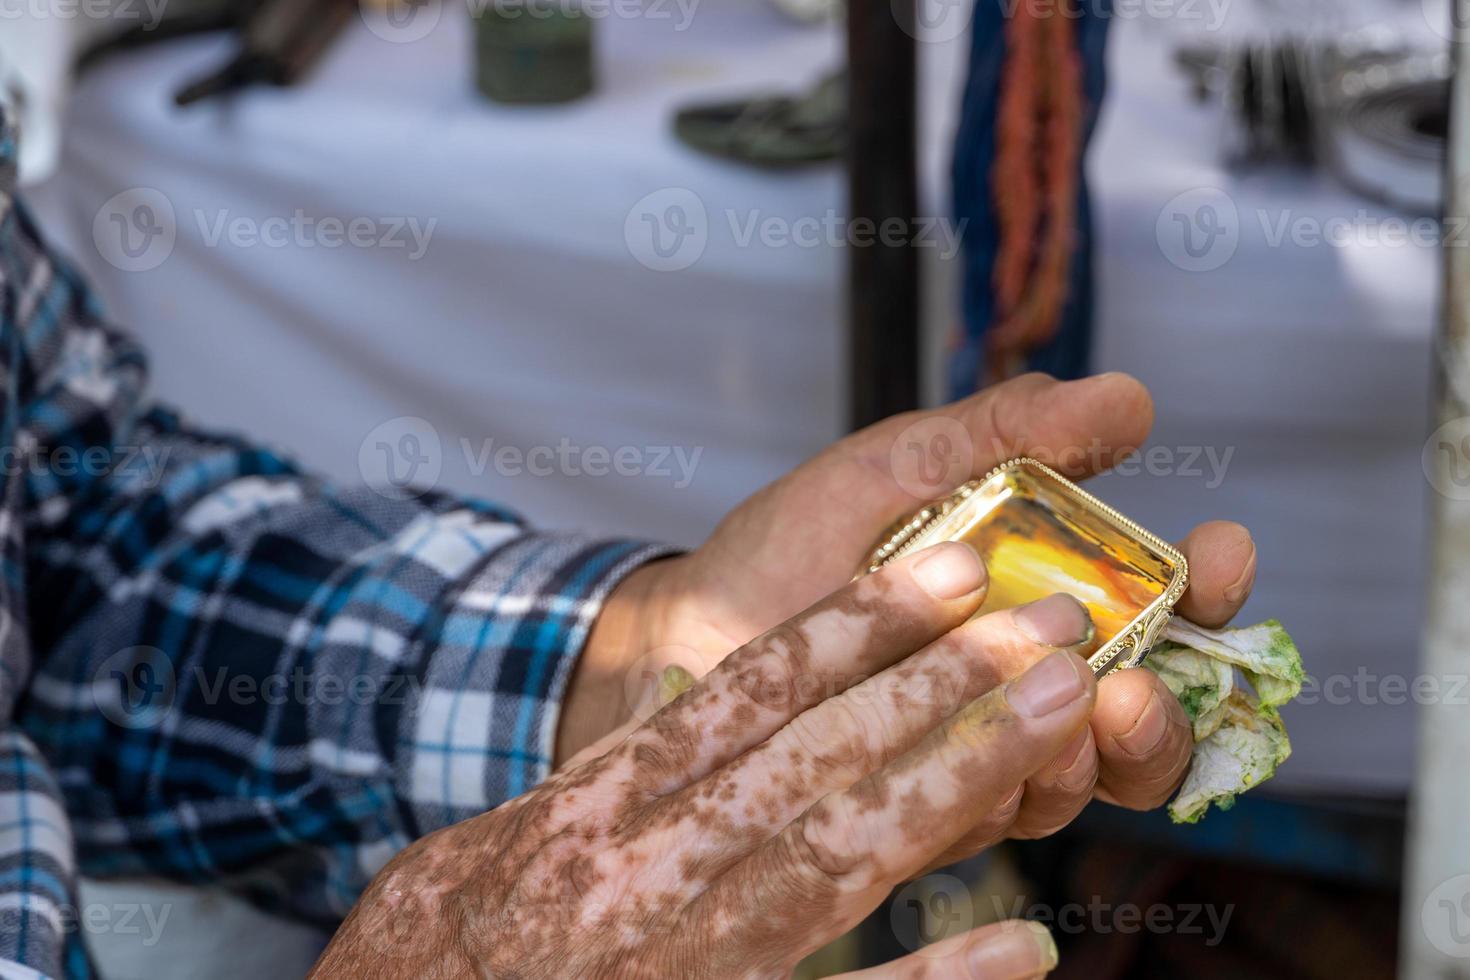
column 1131, row 645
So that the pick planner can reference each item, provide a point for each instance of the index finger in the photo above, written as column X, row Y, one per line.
column 855, row 632
column 845, row 852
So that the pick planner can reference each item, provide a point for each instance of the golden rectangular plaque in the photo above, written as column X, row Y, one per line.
column 1039, row 533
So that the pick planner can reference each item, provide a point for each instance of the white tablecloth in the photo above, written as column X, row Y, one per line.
column 530, row 320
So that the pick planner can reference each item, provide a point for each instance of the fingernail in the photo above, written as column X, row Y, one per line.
column 1041, row 935
column 1242, row 586
column 949, row 570
column 1027, row 950
column 674, row 681
column 1148, row 731
column 1057, row 621
column 1051, row 684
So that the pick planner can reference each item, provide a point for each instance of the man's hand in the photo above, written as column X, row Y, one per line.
column 766, row 810
column 805, row 535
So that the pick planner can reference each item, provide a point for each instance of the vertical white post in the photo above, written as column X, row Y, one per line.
column 1435, row 924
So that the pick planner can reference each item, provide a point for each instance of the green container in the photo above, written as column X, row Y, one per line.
column 533, row 51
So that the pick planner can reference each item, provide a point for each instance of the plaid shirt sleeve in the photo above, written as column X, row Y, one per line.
column 216, row 668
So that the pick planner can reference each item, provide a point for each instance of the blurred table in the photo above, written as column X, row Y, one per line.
column 542, row 312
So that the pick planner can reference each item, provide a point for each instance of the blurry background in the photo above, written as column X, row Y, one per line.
column 388, row 273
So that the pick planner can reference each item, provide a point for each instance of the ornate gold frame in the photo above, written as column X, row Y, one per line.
column 1131, row 645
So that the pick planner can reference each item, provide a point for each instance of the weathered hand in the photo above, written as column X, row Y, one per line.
column 763, row 812
column 804, row 535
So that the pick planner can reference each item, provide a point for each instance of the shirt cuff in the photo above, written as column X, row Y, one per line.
column 479, row 721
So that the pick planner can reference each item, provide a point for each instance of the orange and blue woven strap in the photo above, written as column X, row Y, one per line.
column 1035, row 83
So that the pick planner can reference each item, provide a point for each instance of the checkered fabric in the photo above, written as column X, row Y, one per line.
column 216, row 668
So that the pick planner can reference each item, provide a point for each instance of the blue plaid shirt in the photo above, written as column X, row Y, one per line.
column 216, row 668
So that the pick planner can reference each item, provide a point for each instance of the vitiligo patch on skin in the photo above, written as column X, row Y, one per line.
column 722, row 837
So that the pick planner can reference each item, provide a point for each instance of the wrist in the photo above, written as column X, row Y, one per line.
column 631, row 620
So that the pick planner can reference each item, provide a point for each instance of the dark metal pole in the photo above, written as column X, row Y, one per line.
column 883, row 289
column 883, row 283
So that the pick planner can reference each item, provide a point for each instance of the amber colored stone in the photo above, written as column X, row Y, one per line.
column 1038, row 538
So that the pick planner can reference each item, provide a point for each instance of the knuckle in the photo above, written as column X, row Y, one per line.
column 1005, row 812
column 657, row 759
column 837, row 738
column 995, row 826
column 829, row 850
column 1047, row 818
column 970, row 669
column 1151, row 792
column 764, row 671
column 1007, row 412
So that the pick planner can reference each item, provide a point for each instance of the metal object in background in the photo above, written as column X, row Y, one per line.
column 531, row 51
column 281, row 41
column 883, row 280
column 1264, row 88
column 1386, row 135
column 1435, row 924
column 1366, row 107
